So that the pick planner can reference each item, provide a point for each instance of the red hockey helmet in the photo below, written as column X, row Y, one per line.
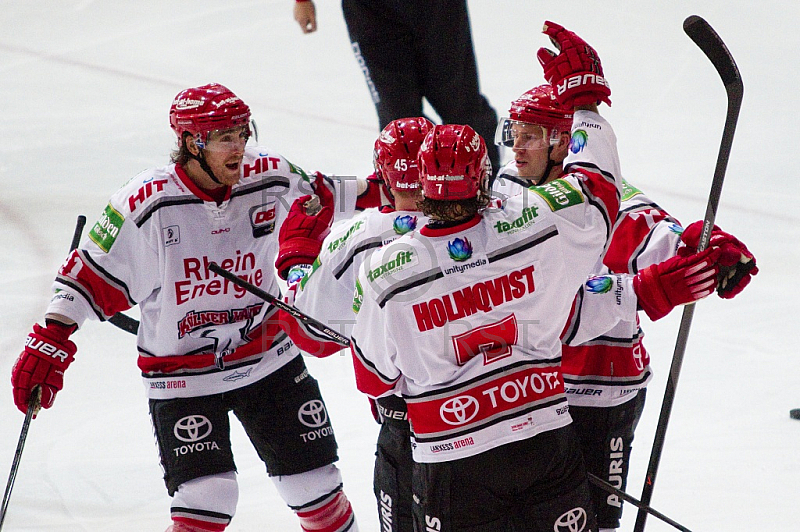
column 539, row 107
column 396, row 150
column 452, row 163
column 200, row 110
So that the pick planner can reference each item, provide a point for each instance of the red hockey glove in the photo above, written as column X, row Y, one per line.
column 376, row 195
column 47, row 354
column 676, row 281
column 323, row 191
column 737, row 264
column 575, row 73
column 301, row 236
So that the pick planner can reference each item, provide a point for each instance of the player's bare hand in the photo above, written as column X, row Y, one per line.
column 305, row 13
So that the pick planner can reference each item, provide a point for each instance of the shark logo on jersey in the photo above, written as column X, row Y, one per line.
column 579, row 140
column 404, row 224
column 459, row 249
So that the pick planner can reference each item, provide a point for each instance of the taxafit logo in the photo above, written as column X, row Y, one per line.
column 459, row 249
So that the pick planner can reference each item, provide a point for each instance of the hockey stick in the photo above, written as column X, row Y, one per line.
column 33, row 405
column 712, row 46
column 332, row 335
column 603, row 485
column 125, row 322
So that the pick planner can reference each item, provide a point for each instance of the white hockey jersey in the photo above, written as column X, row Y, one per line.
column 465, row 322
column 508, row 183
column 200, row 334
column 610, row 369
column 326, row 293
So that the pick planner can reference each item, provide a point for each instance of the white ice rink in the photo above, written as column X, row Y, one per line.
column 85, row 88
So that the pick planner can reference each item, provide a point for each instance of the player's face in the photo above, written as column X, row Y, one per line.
column 530, row 149
column 224, row 152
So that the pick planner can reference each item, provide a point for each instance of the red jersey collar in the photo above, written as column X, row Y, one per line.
column 446, row 231
column 197, row 191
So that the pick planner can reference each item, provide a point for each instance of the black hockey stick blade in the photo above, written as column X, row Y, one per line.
column 605, row 486
column 332, row 335
column 794, row 413
column 714, row 48
column 125, row 322
column 710, row 43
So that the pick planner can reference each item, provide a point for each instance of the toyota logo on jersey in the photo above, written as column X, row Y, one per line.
column 459, row 410
column 313, row 414
column 192, row 428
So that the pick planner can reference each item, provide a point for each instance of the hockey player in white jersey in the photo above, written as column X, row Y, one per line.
column 464, row 318
column 537, row 130
column 325, row 291
column 605, row 378
column 206, row 347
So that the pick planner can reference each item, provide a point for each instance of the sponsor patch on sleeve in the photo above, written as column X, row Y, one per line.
column 559, row 194
column 629, row 191
column 107, row 228
column 358, row 297
column 293, row 168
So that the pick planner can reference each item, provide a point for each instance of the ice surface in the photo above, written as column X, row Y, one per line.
column 86, row 86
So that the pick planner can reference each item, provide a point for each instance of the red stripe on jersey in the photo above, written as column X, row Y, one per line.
column 262, row 340
column 629, row 236
column 109, row 299
column 601, row 187
column 604, row 360
column 367, row 380
column 463, row 408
